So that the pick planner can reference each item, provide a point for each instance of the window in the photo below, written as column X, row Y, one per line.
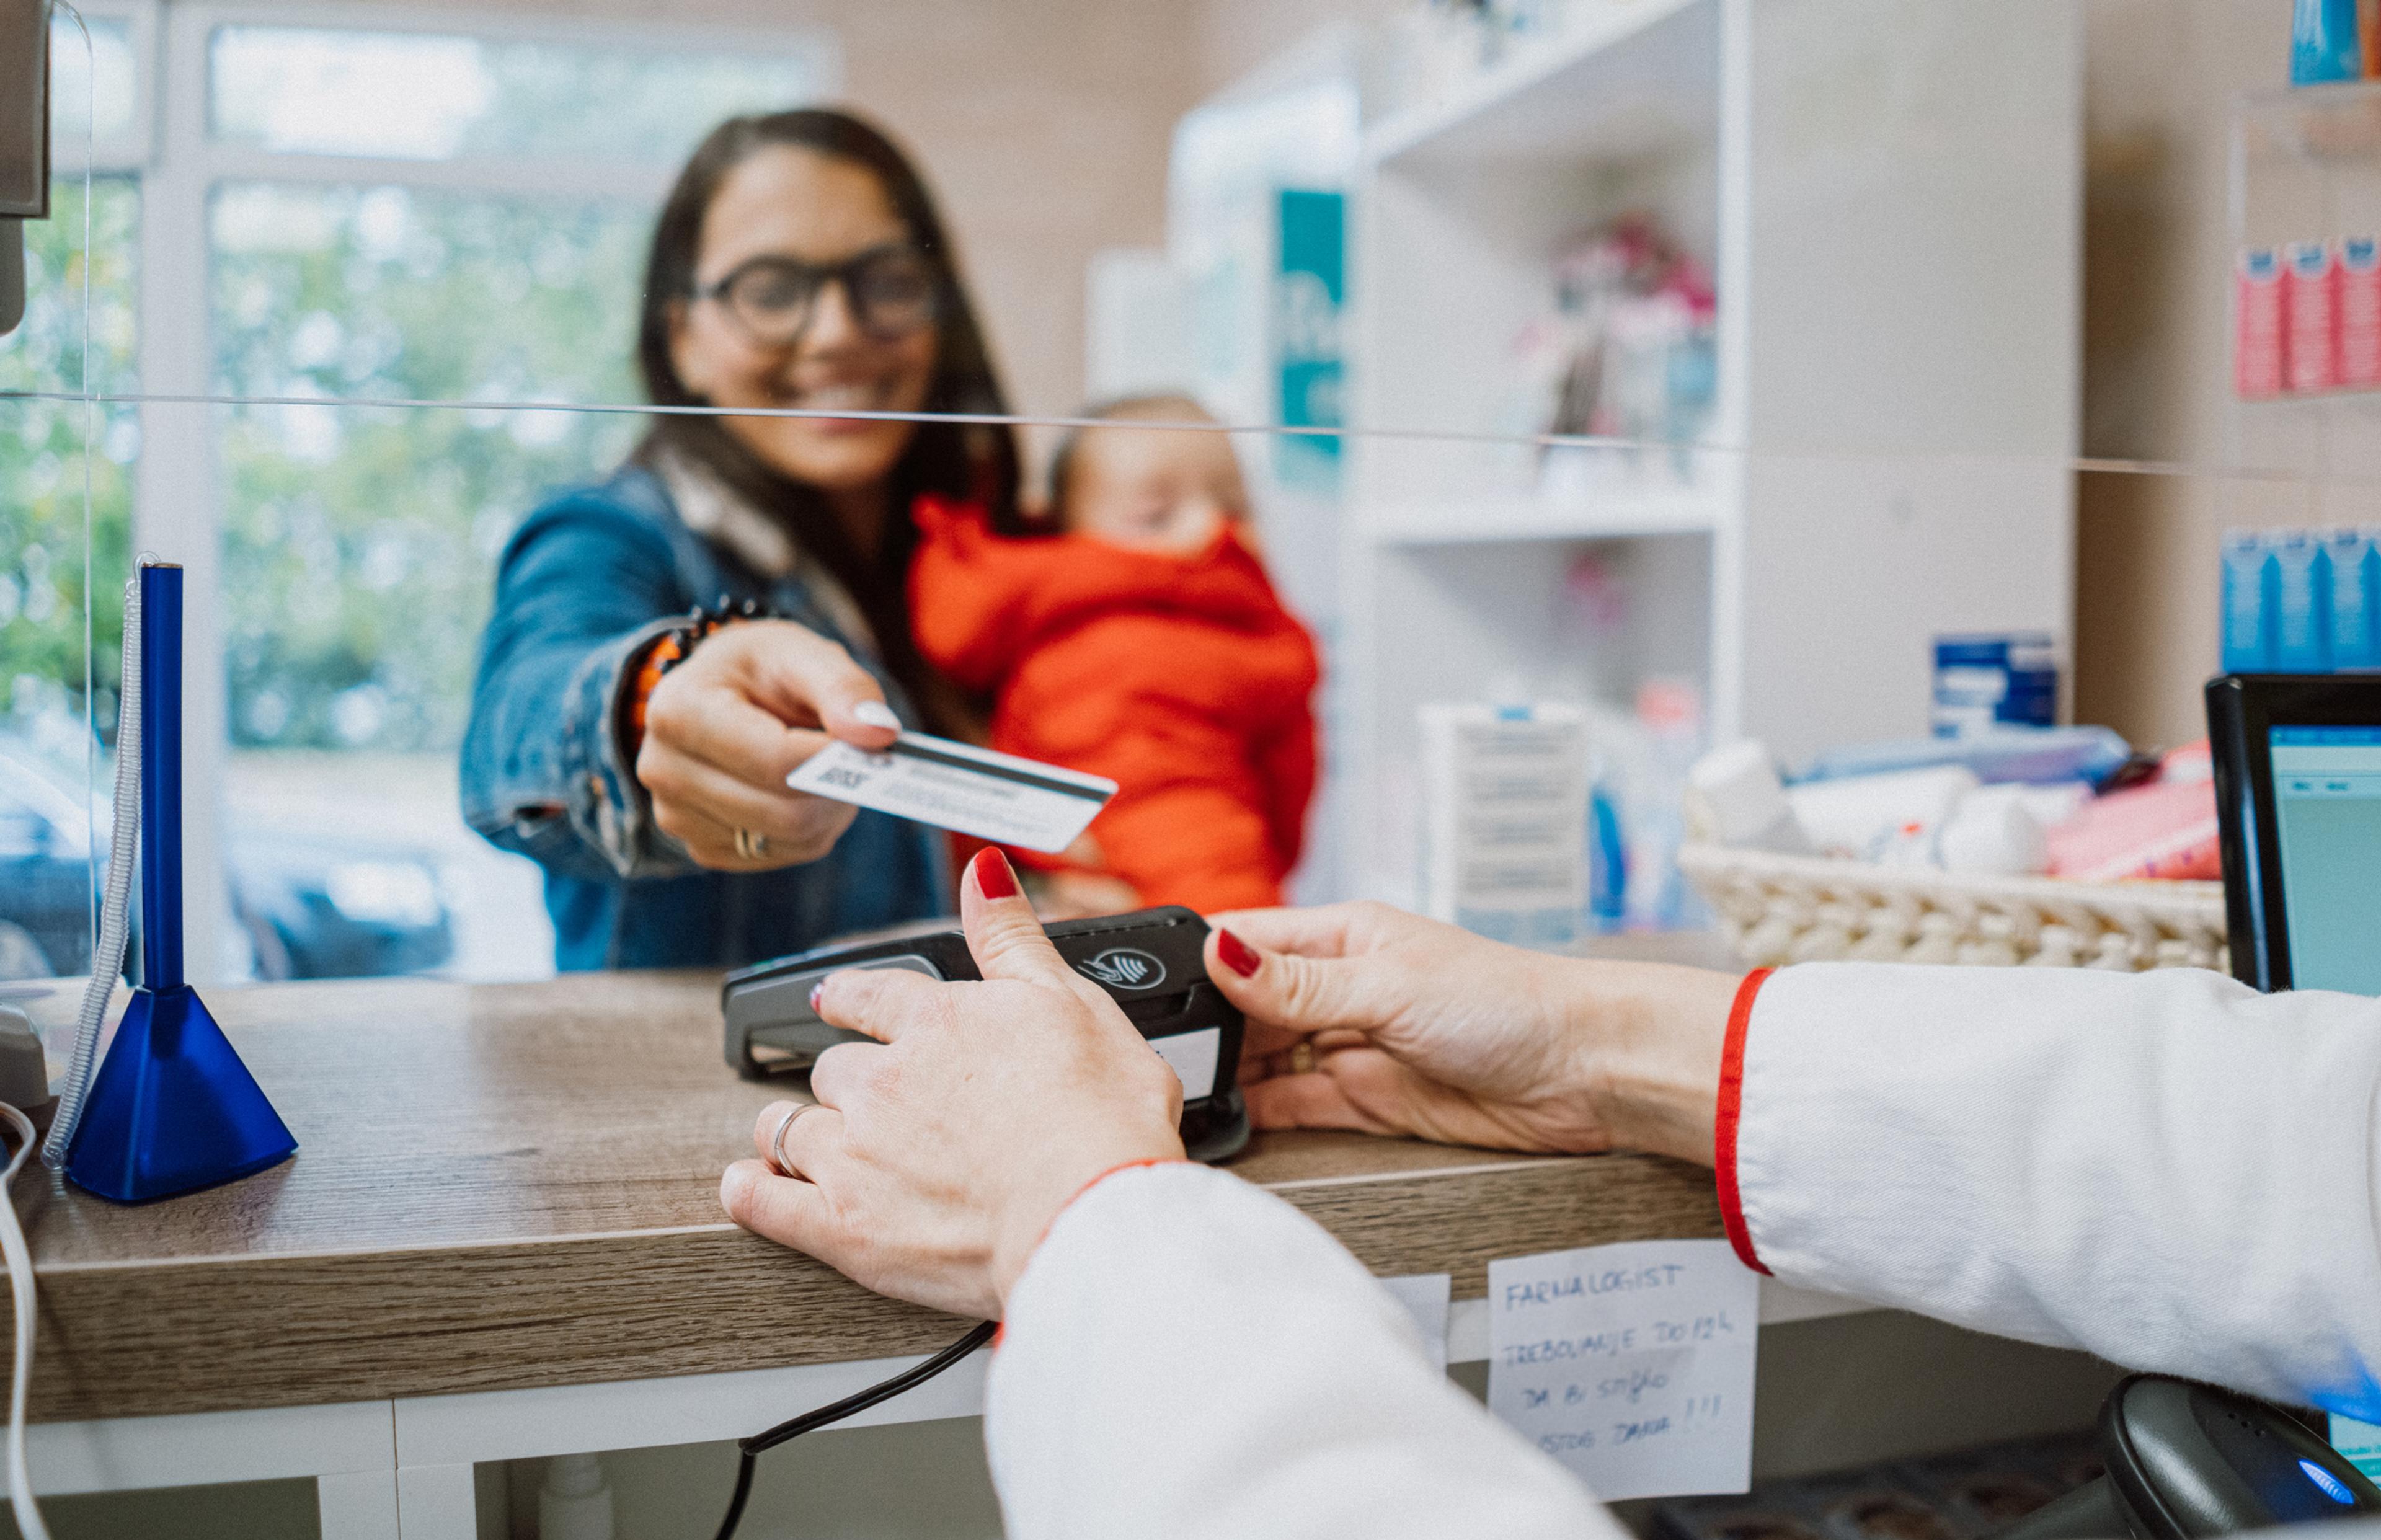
column 78, row 337
column 443, row 97
column 359, row 543
column 443, row 210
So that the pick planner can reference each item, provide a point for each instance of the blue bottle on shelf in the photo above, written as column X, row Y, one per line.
column 173, row 1109
column 2249, row 603
column 2302, row 604
column 2323, row 43
column 2355, row 598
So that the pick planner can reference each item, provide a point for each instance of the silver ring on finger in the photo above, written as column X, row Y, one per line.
column 777, row 1139
column 752, row 846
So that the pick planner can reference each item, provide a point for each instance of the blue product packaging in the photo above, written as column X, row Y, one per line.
column 2323, row 43
column 2038, row 756
column 1607, row 871
column 2250, row 579
column 2302, row 604
column 2355, row 557
column 1982, row 682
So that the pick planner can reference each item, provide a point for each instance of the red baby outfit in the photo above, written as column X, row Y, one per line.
column 1181, row 679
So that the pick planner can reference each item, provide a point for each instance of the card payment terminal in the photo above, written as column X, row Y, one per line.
column 1150, row 961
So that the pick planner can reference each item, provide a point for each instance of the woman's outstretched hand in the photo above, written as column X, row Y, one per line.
column 1365, row 1016
column 939, row 1152
column 726, row 727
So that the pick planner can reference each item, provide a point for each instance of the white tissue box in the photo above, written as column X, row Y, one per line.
column 1503, row 846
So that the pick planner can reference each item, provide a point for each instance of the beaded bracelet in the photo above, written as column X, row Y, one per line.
column 673, row 647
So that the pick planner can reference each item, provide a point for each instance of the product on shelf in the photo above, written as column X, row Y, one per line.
column 2005, row 679
column 1734, row 797
column 1546, row 822
column 1628, row 351
column 2306, row 318
column 2301, row 601
column 2301, row 604
column 2324, row 42
column 2257, row 348
column 2163, row 830
column 2036, row 755
column 1669, row 724
column 2043, row 820
column 1506, row 820
column 1928, row 864
column 2358, row 305
column 1893, row 817
column 2310, row 291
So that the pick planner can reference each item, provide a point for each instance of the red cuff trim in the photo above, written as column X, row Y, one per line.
column 1731, row 1106
column 1128, row 1166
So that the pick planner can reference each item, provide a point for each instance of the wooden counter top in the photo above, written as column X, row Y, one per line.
column 508, row 1185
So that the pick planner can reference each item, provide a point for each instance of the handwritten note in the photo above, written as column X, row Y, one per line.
column 1633, row 1364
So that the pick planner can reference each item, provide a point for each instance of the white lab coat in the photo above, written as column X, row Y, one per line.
column 2168, row 1170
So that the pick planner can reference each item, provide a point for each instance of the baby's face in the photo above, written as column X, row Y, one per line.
column 1152, row 489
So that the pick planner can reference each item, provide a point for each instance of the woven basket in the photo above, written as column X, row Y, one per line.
column 1803, row 908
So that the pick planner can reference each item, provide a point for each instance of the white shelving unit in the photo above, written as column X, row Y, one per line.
column 1465, row 521
column 1890, row 199
column 2306, row 165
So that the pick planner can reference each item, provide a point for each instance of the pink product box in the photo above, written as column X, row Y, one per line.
column 2311, row 316
column 2257, row 344
column 2359, row 312
column 2163, row 830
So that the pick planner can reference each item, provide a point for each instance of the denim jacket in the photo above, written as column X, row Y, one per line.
column 583, row 584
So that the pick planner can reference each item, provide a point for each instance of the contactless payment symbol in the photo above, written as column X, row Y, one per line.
column 1123, row 968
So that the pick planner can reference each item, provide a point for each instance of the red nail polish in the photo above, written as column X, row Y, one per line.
column 816, row 990
column 993, row 877
column 1238, row 955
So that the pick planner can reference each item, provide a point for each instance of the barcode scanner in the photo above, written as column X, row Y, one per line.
column 2187, row 1462
column 1150, row 961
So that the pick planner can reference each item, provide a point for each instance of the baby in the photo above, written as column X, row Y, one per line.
column 1141, row 640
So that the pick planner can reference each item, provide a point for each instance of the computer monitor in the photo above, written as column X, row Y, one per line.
column 2298, row 788
column 2297, row 801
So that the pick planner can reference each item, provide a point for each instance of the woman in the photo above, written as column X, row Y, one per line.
column 640, row 758
column 2168, row 1170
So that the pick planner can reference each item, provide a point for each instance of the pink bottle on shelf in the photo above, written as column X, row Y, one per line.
column 2311, row 312
column 2359, row 312
column 2257, row 325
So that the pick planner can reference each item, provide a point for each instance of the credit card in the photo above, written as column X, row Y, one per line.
column 956, row 786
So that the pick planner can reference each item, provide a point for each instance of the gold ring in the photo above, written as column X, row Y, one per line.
column 777, row 1139
column 750, row 846
column 1301, row 1058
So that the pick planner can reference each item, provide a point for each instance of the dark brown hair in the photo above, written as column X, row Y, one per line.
column 974, row 462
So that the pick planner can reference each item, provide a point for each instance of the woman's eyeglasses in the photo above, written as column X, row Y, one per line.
column 893, row 291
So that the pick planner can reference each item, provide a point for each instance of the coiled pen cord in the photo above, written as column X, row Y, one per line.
column 749, row 1451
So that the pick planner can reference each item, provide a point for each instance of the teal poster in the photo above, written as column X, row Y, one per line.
column 1310, row 286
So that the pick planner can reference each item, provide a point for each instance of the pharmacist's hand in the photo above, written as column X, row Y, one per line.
column 726, row 727
column 1365, row 1016
column 940, row 1152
